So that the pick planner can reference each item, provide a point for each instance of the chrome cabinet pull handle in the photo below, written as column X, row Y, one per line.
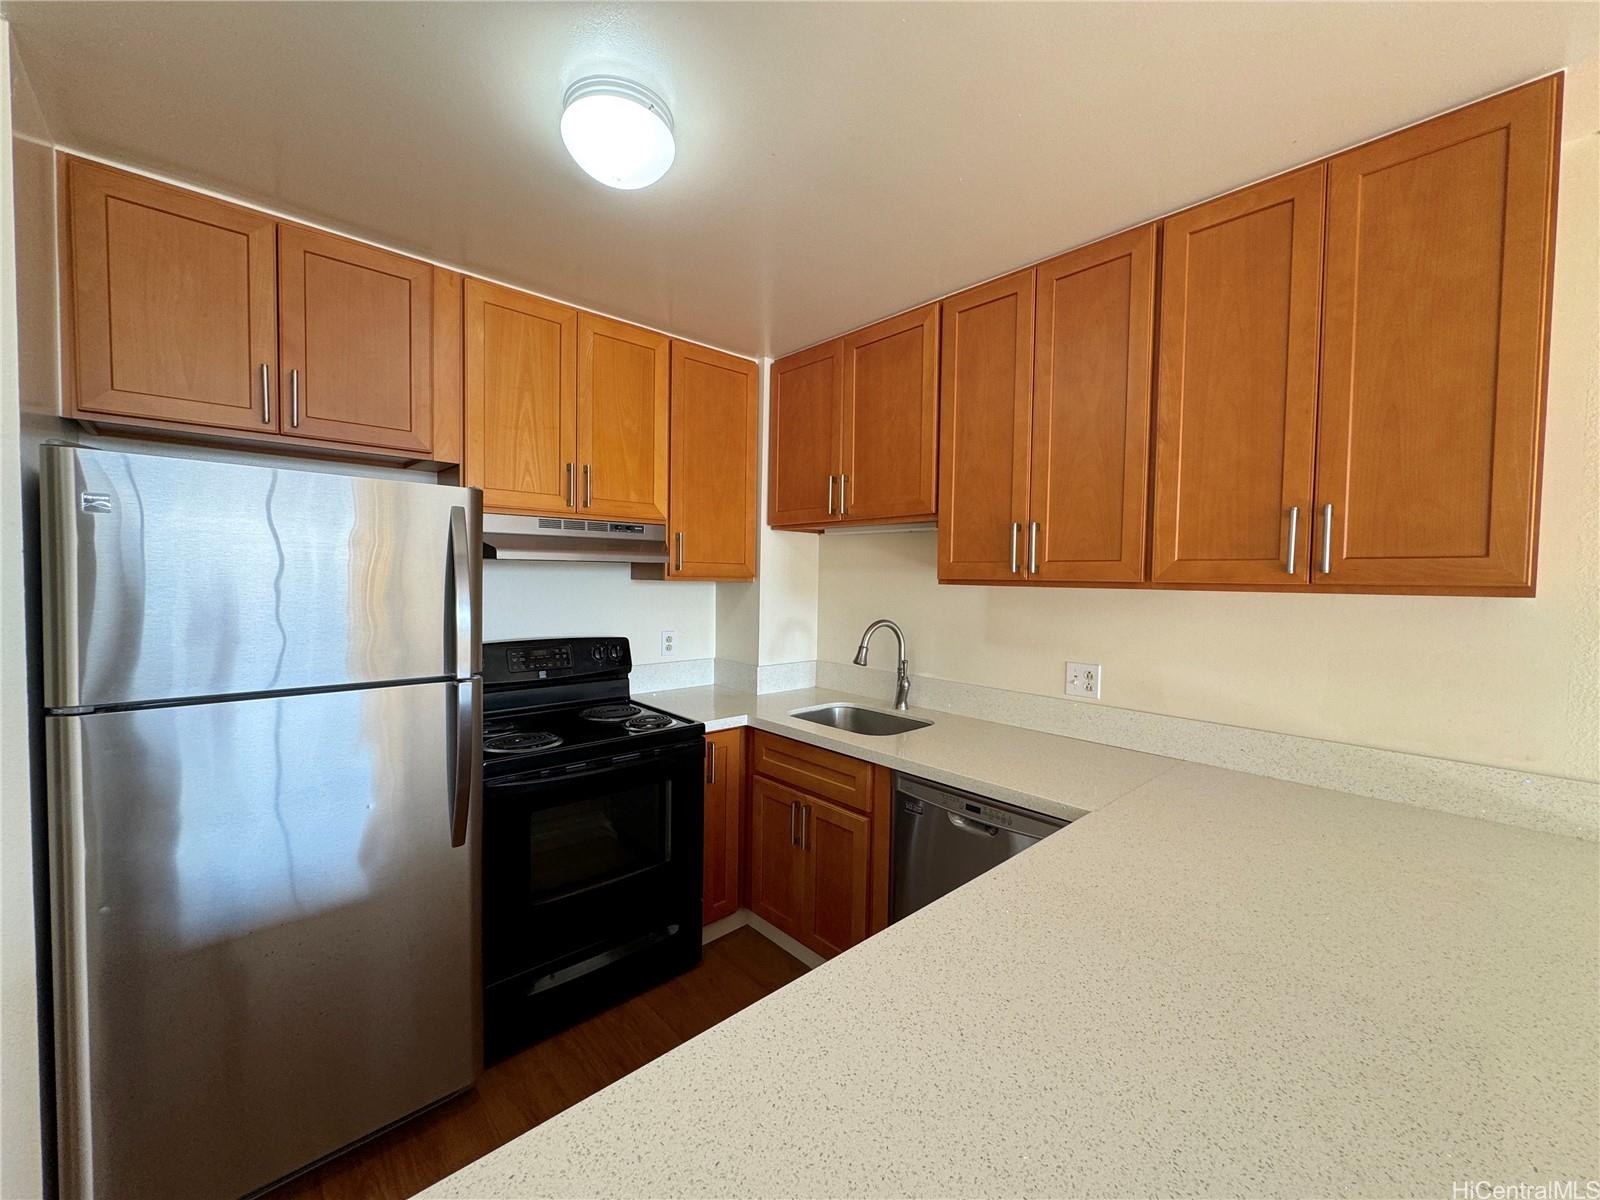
column 572, row 487
column 830, row 495
column 1033, row 548
column 844, row 495
column 588, row 486
column 1327, row 539
column 294, row 398
column 805, row 822
column 678, row 538
column 1294, row 536
column 266, row 394
column 1016, row 529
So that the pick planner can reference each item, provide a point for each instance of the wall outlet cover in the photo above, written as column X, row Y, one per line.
column 1083, row 680
column 669, row 643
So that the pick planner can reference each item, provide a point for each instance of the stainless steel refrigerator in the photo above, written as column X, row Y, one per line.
column 263, row 714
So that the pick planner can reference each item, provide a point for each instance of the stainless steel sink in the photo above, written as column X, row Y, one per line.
column 855, row 719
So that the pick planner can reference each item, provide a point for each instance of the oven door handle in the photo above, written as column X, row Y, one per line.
column 662, row 754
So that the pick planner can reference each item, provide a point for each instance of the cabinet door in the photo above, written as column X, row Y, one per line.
column 805, row 435
column 712, row 502
column 836, row 849
column 173, row 313
column 623, row 400
column 1434, row 343
column 521, row 400
column 355, row 342
column 890, row 465
column 776, row 866
column 724, row 803
column 1091, row 412
column 985, row 393
column 1237, row 385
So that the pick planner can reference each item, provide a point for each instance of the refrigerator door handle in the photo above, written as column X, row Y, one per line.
column 461, row 585
column 468, row 720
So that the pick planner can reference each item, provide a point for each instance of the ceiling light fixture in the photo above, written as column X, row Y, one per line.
column 617, row 131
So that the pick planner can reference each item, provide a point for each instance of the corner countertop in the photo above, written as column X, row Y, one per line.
column 1061, row 776
column 1213, row 984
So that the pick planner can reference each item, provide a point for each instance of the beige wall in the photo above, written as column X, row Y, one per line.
column 774, row 619
column 24, row 198
column 1505, row 682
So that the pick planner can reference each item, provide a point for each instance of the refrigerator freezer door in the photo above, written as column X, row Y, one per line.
column 266, row 945
column 180, row 578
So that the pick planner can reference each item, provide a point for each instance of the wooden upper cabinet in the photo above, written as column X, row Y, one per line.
column 1091, row 412
column 806, row 437
column 1434, row 348
column 355, row 342
column 623, row 404
column 1236, row 399
column 889, row 466
column 711, row 526
column 172, row 314
column 521, row 400
column 985, row 400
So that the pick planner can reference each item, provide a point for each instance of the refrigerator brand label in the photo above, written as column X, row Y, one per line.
column 95, row 502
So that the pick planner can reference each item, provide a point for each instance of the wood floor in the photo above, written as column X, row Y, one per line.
column 515, row 1095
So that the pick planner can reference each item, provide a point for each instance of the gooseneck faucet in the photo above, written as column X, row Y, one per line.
column 902, row 686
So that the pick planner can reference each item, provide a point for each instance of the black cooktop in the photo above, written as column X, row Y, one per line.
column 562, row 702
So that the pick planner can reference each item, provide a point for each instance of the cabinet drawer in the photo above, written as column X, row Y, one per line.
column 836, row 777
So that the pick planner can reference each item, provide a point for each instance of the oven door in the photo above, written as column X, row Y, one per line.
column 580, row 864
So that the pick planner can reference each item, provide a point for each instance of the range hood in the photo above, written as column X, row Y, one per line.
column 572, row 539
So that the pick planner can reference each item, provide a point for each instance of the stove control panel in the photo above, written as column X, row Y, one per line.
column 528, row 662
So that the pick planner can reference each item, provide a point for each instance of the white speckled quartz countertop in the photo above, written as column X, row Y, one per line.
column 1215, row 984
column 1058, row 775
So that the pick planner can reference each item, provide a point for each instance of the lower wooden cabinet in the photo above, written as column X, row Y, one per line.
column 835, row 857
column 819, row 846
column 777, row 871
column 724, row 810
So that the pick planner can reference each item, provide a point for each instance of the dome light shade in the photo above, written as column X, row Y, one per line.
column 617, row 131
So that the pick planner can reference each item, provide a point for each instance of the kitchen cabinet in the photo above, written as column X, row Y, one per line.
column 623, row 408
column 855, row 427
column 185, row 315
column 835, row 848
column 1237, row 386
column 1430, row 432
column 354, row 339
column 889, row 457
column 711, row 503
column 1090, row 436
column 985, row 397
column 1046, row 427
column 172, row 308
column 819, row 843
column 777, row 867
column 807, row 422
column 520, row 400
column 724, row 808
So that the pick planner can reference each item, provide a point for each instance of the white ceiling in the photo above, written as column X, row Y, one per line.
column 836, row 162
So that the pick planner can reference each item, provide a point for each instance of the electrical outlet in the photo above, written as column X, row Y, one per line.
column 669, row 643
column 1083, row 679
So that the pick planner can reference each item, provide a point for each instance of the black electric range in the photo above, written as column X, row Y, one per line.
column 592, row 831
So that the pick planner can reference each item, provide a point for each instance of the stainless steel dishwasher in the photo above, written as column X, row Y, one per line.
column 943, row 838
